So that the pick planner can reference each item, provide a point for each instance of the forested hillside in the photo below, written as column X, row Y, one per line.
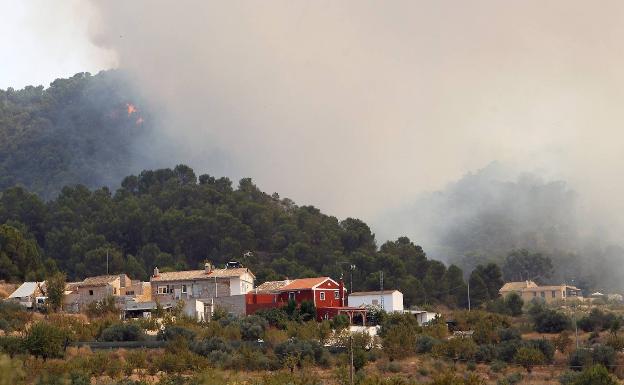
column 80, row 130
column 175, row 220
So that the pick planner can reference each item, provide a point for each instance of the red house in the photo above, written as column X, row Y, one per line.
column 322, row 291
column 329, row 297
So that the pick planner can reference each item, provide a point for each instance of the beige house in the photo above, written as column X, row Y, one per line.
column 95, row 289
column 529, row 290
column 201, row 284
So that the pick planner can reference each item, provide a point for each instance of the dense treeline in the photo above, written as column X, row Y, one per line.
column 79, row 130
column 173, row 219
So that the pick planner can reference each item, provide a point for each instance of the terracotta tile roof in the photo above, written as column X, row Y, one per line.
column 517, row 286
column 271, row 286
column 304, row 283
column 192, row 275
column 378, row 292
column 100, row 280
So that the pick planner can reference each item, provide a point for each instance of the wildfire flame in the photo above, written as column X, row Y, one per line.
column 131, row 108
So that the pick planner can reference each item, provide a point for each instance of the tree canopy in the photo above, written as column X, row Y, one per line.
column 172, row 219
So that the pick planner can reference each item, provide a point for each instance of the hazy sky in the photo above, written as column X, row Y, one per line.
column 42, row 40
column 356, row 106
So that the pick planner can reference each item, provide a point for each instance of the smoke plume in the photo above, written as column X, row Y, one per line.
column 358, row 106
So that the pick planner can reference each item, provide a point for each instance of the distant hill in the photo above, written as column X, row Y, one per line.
column 81, row 130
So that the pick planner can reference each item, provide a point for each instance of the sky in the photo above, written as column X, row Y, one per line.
column 41, row 42
column 359, row 106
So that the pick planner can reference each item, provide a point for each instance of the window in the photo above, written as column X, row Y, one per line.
column 375, row 302
column 162, row 290
column 130, row 292
column 542, row 294
column 534, row 294
column 563, row 293
column 115, row 290
column 90, row 292
column 322, row 296
column 183, row 289
column 336, row 294
column 554, row 294
column 291, row 296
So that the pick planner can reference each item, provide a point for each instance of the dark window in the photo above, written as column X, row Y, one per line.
column 554, row 294
column 322, row 296
column 90, row 292
column 291, row 296
column 543, row 294
column 336, row 295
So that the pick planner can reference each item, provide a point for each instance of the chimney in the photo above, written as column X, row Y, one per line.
column 156, row 272
column 207, row 268
column 341, row 293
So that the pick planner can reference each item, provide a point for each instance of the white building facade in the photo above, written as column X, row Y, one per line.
column 388, row 300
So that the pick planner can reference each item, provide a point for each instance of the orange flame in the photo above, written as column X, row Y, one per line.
column 131, row 109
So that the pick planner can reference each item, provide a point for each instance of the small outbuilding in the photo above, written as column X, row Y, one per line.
column 388, row 300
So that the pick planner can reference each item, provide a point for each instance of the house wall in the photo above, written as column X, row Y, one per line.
column 299, row 296
column 200, row 289
column 90, row 294
column 234, row 304
column 242, row 285
column 258, row 301
column 391, row 301
column 546, row 295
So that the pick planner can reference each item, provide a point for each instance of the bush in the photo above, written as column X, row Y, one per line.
column 275, row 317
column 510, row 305
column 122, row 332
column 603, row 355
column 425, row 343
column 46, row 341
column 529, row 357
column 509, row 334
column 486, row 353
column 173, row 332
column 597, row 320
column 340, row 322
column 252, row 328
column 457, row 349
column 549, row 321
column 544, row 346
column 596, row 375
column 498, row 366
column 12, row 345
column 579, row 359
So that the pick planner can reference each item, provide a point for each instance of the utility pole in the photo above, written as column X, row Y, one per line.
column 468, row 294
column 381, row 288
column 351, row 358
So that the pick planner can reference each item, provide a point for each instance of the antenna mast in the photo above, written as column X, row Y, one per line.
column 381, row 290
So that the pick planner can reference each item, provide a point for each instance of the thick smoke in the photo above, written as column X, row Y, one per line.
column 359, row 106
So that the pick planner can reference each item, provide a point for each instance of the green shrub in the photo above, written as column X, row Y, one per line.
column 425, row 343
column 46, row 341
column 122, row 332
column 498, row 366
column 173, row 332
column 596, row 375
column 549, row 321
column 486, row 353
column 12, row 345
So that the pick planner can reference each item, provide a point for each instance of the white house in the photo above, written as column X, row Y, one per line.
column 27, row 293
column 388, row 300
